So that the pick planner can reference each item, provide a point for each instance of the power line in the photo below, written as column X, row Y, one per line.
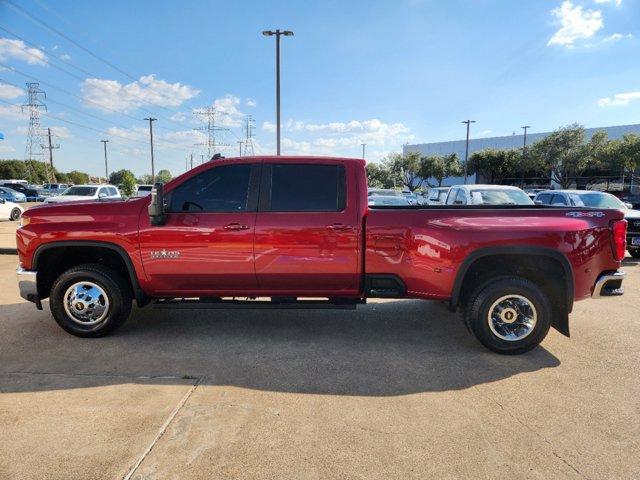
column 208, row 114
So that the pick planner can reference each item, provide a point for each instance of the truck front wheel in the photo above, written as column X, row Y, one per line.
column 90, row 300
column 509, row 315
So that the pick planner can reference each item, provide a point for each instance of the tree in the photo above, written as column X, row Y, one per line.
column 623, row 155
column 441, row 167
column 495, row 165
column 164, row 176
column 77, row 177
column 128, row 183
column 565, row 154
column 117, row 178
column 379, row 176
column 146, row 179
column 407, row 169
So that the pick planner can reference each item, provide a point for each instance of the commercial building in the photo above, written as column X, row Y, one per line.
column 510, row 141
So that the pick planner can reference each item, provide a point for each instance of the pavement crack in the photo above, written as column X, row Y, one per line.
column 164, row 427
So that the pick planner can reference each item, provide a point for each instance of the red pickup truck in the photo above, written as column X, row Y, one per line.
column 297, row 232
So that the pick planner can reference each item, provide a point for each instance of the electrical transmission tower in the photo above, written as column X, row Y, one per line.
column 209, row 116
column 249, row 125
column 35, row 136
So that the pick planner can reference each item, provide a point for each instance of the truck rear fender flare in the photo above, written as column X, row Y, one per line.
column 561, row 315
column 140, row 296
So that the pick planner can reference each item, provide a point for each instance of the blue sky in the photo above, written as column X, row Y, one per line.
column 379, row 72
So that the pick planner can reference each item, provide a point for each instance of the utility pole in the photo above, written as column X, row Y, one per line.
column 191, row 159
column 49, row 146
column 106, row 164
column 277, row 33
column 524, row 150
column 466, row 152
column 153, row 170
column 363, row 145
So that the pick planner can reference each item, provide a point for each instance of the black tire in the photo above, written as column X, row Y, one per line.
column 117, row 290
column 635, row 253
column 15, row 214
column 476, row 314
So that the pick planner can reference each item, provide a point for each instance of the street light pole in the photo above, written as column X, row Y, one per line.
column 277, row 33
column 363, row 145
column 153, row 171
column 524, row 150
column 106, row 165
column 466, row 152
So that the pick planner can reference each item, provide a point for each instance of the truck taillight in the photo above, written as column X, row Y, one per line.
column 619, row 238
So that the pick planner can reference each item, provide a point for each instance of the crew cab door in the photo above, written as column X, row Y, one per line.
column 308, row 230
column 206, row 245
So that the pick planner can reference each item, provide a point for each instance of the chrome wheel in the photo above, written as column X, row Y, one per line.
column 86, row 303
column 512, row 317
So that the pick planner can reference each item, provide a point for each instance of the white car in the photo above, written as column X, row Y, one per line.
column 86, row 193
column 487, row 195
column 144, row 190
column 437, row 195
column 10, row 210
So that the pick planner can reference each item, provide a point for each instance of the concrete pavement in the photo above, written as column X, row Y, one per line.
column 397, row 389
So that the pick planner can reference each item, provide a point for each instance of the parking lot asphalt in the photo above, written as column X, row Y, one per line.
column 8, row 235
column 397, row 389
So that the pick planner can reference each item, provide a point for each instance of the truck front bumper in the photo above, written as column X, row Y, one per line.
column 608, row 285
column 28, row 285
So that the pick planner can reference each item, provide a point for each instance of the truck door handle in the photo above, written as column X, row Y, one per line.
column 338, row 227
column 236, row 226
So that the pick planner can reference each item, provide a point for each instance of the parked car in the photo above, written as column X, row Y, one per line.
column 85, row 193
column 53, row 189
column 212, row 234
column 532, row 192
column 594, row 199
column 487, row 195
column 29, row 192
column 386, row 192
column 143, row 190
column 633, row 199
column 437, row 196
column 386, row 200
column 10, row 210
column 11, row 195
column 411, row 197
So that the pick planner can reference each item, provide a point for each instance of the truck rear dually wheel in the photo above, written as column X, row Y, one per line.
column 90, row 300
column 509, row 315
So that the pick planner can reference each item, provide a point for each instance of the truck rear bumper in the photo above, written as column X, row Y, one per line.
column 28, row 285
column 608, row 285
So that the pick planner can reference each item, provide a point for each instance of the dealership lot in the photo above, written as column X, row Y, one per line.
column 396, row 389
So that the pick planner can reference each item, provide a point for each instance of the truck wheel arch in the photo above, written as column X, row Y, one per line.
column 138, row 293
column 484, row 255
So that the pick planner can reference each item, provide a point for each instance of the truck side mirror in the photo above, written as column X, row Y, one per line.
column 157, row 215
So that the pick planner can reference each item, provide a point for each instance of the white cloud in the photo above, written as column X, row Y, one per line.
column 178, row 117
column 61, row 132
column 619, row 99
column 112, row 95
column 16, row 49
column 12, row 112
column 340, row 138
column 616, row 2
column 575, row 23
column 9, row 92
column 227, row 108
column 65, row 56
column 251, row 102
column 181, row 139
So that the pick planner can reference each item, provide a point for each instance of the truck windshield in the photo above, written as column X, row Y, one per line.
column 81, row 191
column 500, row 197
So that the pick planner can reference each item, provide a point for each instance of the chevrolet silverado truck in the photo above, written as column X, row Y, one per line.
column 297, row 232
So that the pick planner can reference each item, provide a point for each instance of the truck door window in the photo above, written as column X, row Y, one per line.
column 220, row 189
column 306, row 188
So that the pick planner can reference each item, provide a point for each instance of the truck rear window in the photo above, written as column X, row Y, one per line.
column 307, row 188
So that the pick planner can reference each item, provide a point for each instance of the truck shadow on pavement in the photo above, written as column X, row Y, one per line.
column 382, row 349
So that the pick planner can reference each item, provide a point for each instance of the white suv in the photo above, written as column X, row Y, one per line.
column 85, row 193
column 487, row 195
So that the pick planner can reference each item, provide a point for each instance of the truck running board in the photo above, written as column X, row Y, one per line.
column 217, row 303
